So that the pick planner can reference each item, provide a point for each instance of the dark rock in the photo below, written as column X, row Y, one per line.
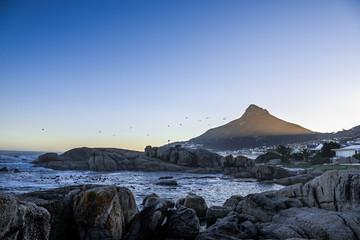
column 303, row 178
column 264, row 172
column 150, row 151
column 262, row 207
column 215, row 212
column 334, row 190
column 163, row 153
column 170, row 203
column 103, row 212
column 146, row 224
column 4, row 169
column 321, row 224
column 166, row 177
column 206, row 159
column 280, row 231
column 48, row 157
column 59, row 203
column 228, row 161
column 22, row 220
column 197, row 203
column 150, row 199
column 232, row 202
column 265, row 158
column 180, row 202
column 235, row 225
column 167, row 183
column 185, row 158
column 183, row 223
column 16, row 170
column 201, row 171
column 143, row 164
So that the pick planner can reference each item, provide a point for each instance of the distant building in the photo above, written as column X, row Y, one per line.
column 314, row 148
column 347, row 151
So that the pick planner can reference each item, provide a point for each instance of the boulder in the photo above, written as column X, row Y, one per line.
column 197, row 203
column 163, row 153
column 234, row 225
column 174, row 156
column 22, row 220
column 147, row 223
column 47, row 157
column 150, row 151
column 167, row 183
column 228, row 161
column 103, row 212
column 206, row 159
column 264, row 172
column 261, row 207
column 215, row 212
column 334, row 190
column 321, row 224
column 66, row 215
column 59, row 203
column 303, row 178
column 185, row 158
column 280, row 231
column 142, row 164
column 183, row 223
column 4, row 169
column 232, row 202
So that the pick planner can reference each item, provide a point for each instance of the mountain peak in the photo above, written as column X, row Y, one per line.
column 254, row 110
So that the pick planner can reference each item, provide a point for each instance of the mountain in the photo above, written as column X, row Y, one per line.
column 256, row 127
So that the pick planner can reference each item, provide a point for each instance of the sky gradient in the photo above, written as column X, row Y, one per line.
column 135, row 70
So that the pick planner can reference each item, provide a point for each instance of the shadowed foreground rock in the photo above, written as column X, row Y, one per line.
column 22, row 220
column 86, row 211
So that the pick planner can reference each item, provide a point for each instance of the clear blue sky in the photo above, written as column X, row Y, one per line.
column 131, row 68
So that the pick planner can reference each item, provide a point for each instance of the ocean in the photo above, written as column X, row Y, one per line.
column 215, row 188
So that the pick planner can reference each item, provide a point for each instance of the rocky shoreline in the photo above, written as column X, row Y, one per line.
column 327, row 207
column 169, row 159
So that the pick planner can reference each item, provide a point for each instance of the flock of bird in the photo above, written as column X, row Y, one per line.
column 180, row 124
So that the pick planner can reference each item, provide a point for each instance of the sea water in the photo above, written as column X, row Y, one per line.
column 215, row 188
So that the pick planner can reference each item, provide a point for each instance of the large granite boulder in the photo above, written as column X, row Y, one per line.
column 183, row 223
column 103, row 212
column 265, row 172
column 147, row 223
column 311, row 223
column 163, row 153
column 197, row 203
column 59, row 203
column 79, row 210
column 185, row 158
column 302, row 178
column 215, row 212
column 206, row 159
column 22, row 220
column 334, row 190
column 236, row 225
